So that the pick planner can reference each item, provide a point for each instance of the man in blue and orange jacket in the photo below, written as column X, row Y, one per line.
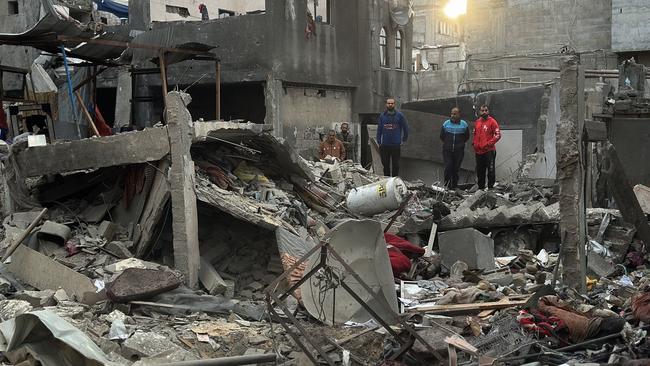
column 392, row 131
column 486, row 135
column 454, row 133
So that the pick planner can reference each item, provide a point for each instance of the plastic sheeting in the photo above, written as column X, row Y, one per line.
column 119, row 8
column 49, row 339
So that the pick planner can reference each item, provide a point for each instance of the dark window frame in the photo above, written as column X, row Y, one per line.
column 399, row 50
column 383, row 47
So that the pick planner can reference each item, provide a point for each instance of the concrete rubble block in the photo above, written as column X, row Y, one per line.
column 500, row 278
column 37, row 298
column 60, row 295
column 148, row 344
column 532, row 210
column 10, row 309
column 139, row 284
column 466, row 245
column 255, row 286
column 642, row 194
column 119, row 248
column 55, row 232
column 517, row 214
column 230, row 289
column 5, row 285
column 479, row 198
column 211, row 279
column 106, row 230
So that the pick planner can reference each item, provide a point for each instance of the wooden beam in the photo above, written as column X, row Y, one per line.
column 89, row 78
column 86, row 114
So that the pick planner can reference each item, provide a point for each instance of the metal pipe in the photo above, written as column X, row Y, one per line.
column 228, row 361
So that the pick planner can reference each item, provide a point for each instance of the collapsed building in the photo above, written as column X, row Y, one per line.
column 171, row 236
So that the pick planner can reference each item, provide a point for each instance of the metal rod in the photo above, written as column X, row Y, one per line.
column 292, row 334
column 228, row 361
column 218, row 91
column 398, row 212
column 302, row 330
column 24, row 235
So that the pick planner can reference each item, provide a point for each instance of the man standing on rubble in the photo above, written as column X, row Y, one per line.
column 454, row 133
column 392, row 131
column 486, row 135
column 332, row 147
column 348, row 140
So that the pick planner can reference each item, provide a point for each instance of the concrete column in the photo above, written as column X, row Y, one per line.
column 184, row 213
column 272, row 95
column 570, row 176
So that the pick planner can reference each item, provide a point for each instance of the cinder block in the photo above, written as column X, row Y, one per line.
column 467, row 245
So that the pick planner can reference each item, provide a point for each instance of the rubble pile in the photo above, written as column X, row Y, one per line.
column 309, row 261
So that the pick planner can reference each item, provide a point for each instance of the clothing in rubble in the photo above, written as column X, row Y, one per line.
column 486, row 135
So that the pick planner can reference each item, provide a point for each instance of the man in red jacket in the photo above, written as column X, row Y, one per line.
column 486, row 135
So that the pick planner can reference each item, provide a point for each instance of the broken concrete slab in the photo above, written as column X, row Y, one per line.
column 119, row 248
column 52, row 275
column 148, row 344
column 140, row 284
column 466, row 245
column 37, row 298
column 121, row 149
column 54, row 231
column 106, row 230
column 211, row 279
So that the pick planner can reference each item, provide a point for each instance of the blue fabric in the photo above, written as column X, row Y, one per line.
column 392, row 129
column 454, row 135
column 114, row 7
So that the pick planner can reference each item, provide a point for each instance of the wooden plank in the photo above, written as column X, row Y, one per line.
column 86, row 114
column 478, row 307
column 44, row 273
column 432, row 238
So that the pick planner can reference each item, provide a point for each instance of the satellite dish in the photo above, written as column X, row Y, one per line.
column 401, row 14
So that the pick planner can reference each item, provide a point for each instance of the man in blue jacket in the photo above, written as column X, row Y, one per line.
column 454, row 133
column 392, row 131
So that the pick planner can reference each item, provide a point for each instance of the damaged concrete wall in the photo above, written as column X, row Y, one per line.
column 16, row 21
column 630, row 25
column 307, row 113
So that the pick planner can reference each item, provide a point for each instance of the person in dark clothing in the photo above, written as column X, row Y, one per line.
column 392, row 131
column 454, row 133
column 348, row 141
column 486, row 135
column 205, row 16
